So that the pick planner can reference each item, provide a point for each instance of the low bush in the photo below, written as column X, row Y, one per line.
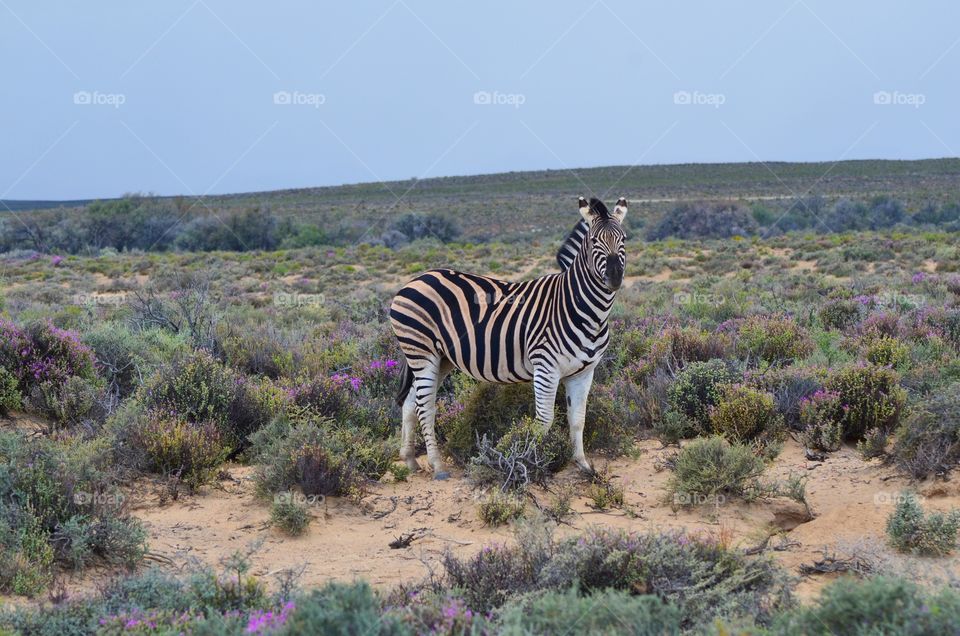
column 911, row 530
column 314, row 455
column 773, row 340
column 673, row 427
column 699, row 577
column 878, row 605
column 871, row 399
column 840, row 313
column 677, row 346
column 342, row 608
column 698, row 387
column 49, row 370
column 69, row 403
column 821, row 418
column 790, row 387
column 602, row 612
column 125, row 357
column 744, row 415
column 59, row 505
column 291, row 516
column 489, row 410
column 928, row 441
column 499, row 509
column 174, row 446
column 886, row 351
column 10, row 398
column 525, row 455
column 709, row 467
column 198, row 388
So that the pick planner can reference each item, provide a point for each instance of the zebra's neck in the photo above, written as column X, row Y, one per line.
column 586, row 298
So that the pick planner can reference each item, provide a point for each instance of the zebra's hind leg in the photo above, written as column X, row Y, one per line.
column 408, row 431
column 578, row 388
column 426, row 381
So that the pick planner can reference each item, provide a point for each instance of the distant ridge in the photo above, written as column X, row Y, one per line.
column 641, row 180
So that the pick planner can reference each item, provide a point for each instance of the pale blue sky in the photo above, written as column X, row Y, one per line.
column 578, row 84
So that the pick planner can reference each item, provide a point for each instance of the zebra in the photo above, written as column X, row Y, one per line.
column 547, row 330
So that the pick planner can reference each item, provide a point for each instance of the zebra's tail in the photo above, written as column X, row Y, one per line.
column 406, row 381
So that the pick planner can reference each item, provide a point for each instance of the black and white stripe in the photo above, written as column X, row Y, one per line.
column 548, row 330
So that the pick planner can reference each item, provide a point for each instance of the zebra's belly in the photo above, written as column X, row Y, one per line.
column 521, row 371
column 568, row 365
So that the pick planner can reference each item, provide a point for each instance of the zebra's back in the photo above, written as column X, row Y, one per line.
column 483, row 325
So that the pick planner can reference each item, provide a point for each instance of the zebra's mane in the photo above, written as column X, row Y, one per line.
column 599, row 208
column 568, row 251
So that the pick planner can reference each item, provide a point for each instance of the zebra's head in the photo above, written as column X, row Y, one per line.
column 607, row 256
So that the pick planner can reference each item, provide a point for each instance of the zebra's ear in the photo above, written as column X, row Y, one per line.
column 620, row 210
column 586, row 211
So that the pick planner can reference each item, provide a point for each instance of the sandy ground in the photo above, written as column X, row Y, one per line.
column 850, row 500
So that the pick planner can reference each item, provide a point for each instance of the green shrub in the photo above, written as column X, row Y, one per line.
column 775, row 340
column 928, row 441
column 318, row 457
column 701, row 578
column 70, row 402
column 911, row 530
column 673, row 427
column 289, row 515
column 500, row 508
column 677, row 346
column 341, row 609
column 887, row 352
column 400, row 472
column 59, row 505
column 707, row 469
column 743, row 415
column 877, row 605
column 821, row 418
column 603, row 612
column 790, row 387
column 126, row 357
column 10, row 399
column 175, row 446
column 871, row 399
column 198, row 388
column 698, row 387
column 603, row 493
column 840, row 313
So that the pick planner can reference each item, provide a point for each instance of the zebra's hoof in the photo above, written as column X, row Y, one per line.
column 442, row 475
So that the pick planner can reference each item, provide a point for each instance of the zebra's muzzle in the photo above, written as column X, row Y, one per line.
column 614, row 273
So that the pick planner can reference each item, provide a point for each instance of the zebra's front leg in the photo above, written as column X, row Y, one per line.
column 545, row 382
column 578, row 388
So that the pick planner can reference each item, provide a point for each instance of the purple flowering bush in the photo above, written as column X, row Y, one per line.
column 55, row 374
column 821, row 416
